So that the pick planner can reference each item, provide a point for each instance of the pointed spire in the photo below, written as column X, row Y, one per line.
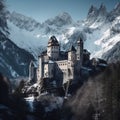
column 53, row 41
column 79, row 41
column 31, row 63
column 72, row 48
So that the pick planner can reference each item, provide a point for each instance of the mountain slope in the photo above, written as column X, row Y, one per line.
column 98, row 98
column 113, row 54
column 35, row 39
column 14, row 61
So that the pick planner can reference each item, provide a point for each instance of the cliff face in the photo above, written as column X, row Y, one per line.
column 99, row 95
column 113, row 55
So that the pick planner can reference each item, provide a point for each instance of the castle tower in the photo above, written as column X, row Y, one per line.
column 53, row 48
column 40, row 68
column 79, row 52
column 72, row 54
column 71, row 63
column 31, row 71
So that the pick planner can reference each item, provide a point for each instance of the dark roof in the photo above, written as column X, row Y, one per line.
column 32, row 64
column 85, row 51
column 53, row 41
column 43, row 53
column 63, row 55
column 72, row 48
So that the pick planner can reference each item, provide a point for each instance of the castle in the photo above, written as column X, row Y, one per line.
column 59, row 66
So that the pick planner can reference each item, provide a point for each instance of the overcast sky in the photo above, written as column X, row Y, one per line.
column 44, row 9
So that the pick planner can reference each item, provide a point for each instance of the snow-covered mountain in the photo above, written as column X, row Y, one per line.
column 14, row 61
column 100, row 30
column 33, row 36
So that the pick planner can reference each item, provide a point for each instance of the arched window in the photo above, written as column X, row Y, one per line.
column 69, row 72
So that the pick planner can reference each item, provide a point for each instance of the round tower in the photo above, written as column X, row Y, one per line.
column 72, row 54
column 31, row 71
column 79, row 49
column 71, row 62
column 40, row 68
column 53, row 48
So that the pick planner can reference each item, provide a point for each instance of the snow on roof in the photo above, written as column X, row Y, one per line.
column 50, row 61
column 102, row 64
column 35, row 85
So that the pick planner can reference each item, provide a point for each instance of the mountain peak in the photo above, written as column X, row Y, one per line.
column 64, row 14
column 117, row 7
column 102, row 7
column 61, row 19
column 64, row 17
column 93, row 11
column 102, row 10
column 22, row 21
column 92, row 14
column 115, row 12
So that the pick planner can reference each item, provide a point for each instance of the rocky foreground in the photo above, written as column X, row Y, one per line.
column 98, row 96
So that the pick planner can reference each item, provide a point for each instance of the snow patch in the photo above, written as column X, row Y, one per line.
column 30, row 101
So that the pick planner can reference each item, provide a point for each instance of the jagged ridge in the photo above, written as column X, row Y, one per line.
column 99, row 29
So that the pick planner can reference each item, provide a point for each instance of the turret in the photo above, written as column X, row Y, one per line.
column 40, row 68
column 32, row 71
column 80, row 50
column 53, row 48
column 72, row 54
column 71, row 62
